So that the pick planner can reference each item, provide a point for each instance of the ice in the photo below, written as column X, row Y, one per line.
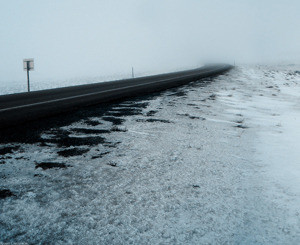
column 213, row 162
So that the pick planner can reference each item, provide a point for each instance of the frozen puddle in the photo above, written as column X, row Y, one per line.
column 209, row 163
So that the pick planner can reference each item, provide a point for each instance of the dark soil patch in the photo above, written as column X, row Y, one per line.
column 44, row 144
column 153, row 120
column 191, row 117
column 127, row 111
column 293, row 73
column 134, row 104
column 241, row 126
column 5, row 193
column 151, row 113
column 19, row 158
column 179, row 94
column 74, row 141
column 113, row 164
column 111, row 145
column 212, row 97
column 47, row 165
column 92, row 122
column 100, row 155
column 8, row 150
column 114, row 120
column 90, row 131
column 118, row 129
column 239, row 121
column 72, row 152
column 114, row 114
column 194, row 117
column 63, row 139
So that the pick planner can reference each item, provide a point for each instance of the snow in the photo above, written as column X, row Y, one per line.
column 213, row 162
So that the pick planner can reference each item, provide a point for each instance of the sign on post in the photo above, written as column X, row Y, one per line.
column 28, row 65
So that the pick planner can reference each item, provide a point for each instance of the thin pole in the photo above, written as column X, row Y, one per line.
column 28, row 84
column 132, row 72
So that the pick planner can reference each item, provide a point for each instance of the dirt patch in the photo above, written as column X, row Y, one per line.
column 63, row 140
column 134, row 104
column 118, row 129
column 111, row 145
column 241, row 126
column 212, row 97
column 240, row 121
column 127, row 111
column 47, row 165
column 112, row 164
column 90, row 131
column 5, row 193
column 154, row 120
column 191, row 117
column 113, row 120
column 179, row 94
column 92, row 122
column 151, row 113
column 72, row 152
column 8, row 150
column 100, row 155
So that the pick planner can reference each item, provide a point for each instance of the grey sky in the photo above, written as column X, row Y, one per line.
column 78, row 38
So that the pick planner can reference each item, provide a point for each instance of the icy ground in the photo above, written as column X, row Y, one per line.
column 213, row 162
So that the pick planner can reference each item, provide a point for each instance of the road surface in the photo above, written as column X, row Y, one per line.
column 23, row 107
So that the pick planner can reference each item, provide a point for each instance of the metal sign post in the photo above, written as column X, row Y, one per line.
column 28, row 65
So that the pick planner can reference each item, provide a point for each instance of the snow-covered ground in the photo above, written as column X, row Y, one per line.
column 213, row 162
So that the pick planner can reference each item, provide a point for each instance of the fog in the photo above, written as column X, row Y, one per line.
column 79, row 38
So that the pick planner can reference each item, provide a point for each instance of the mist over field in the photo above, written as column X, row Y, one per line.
column 76, row 39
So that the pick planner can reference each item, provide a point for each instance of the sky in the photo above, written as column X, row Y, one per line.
column 88, row 38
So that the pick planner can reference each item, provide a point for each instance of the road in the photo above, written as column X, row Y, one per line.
column 22, row 107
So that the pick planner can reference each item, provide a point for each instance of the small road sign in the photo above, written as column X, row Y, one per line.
column 28, row 65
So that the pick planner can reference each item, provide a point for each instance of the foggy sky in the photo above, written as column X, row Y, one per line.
column 84, row 38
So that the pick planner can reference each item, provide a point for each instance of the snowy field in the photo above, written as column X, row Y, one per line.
column 213, row 162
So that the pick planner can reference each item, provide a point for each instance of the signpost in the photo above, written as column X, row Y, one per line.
column 28, row 65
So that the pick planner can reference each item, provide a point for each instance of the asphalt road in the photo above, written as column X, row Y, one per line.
column 22, row 107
